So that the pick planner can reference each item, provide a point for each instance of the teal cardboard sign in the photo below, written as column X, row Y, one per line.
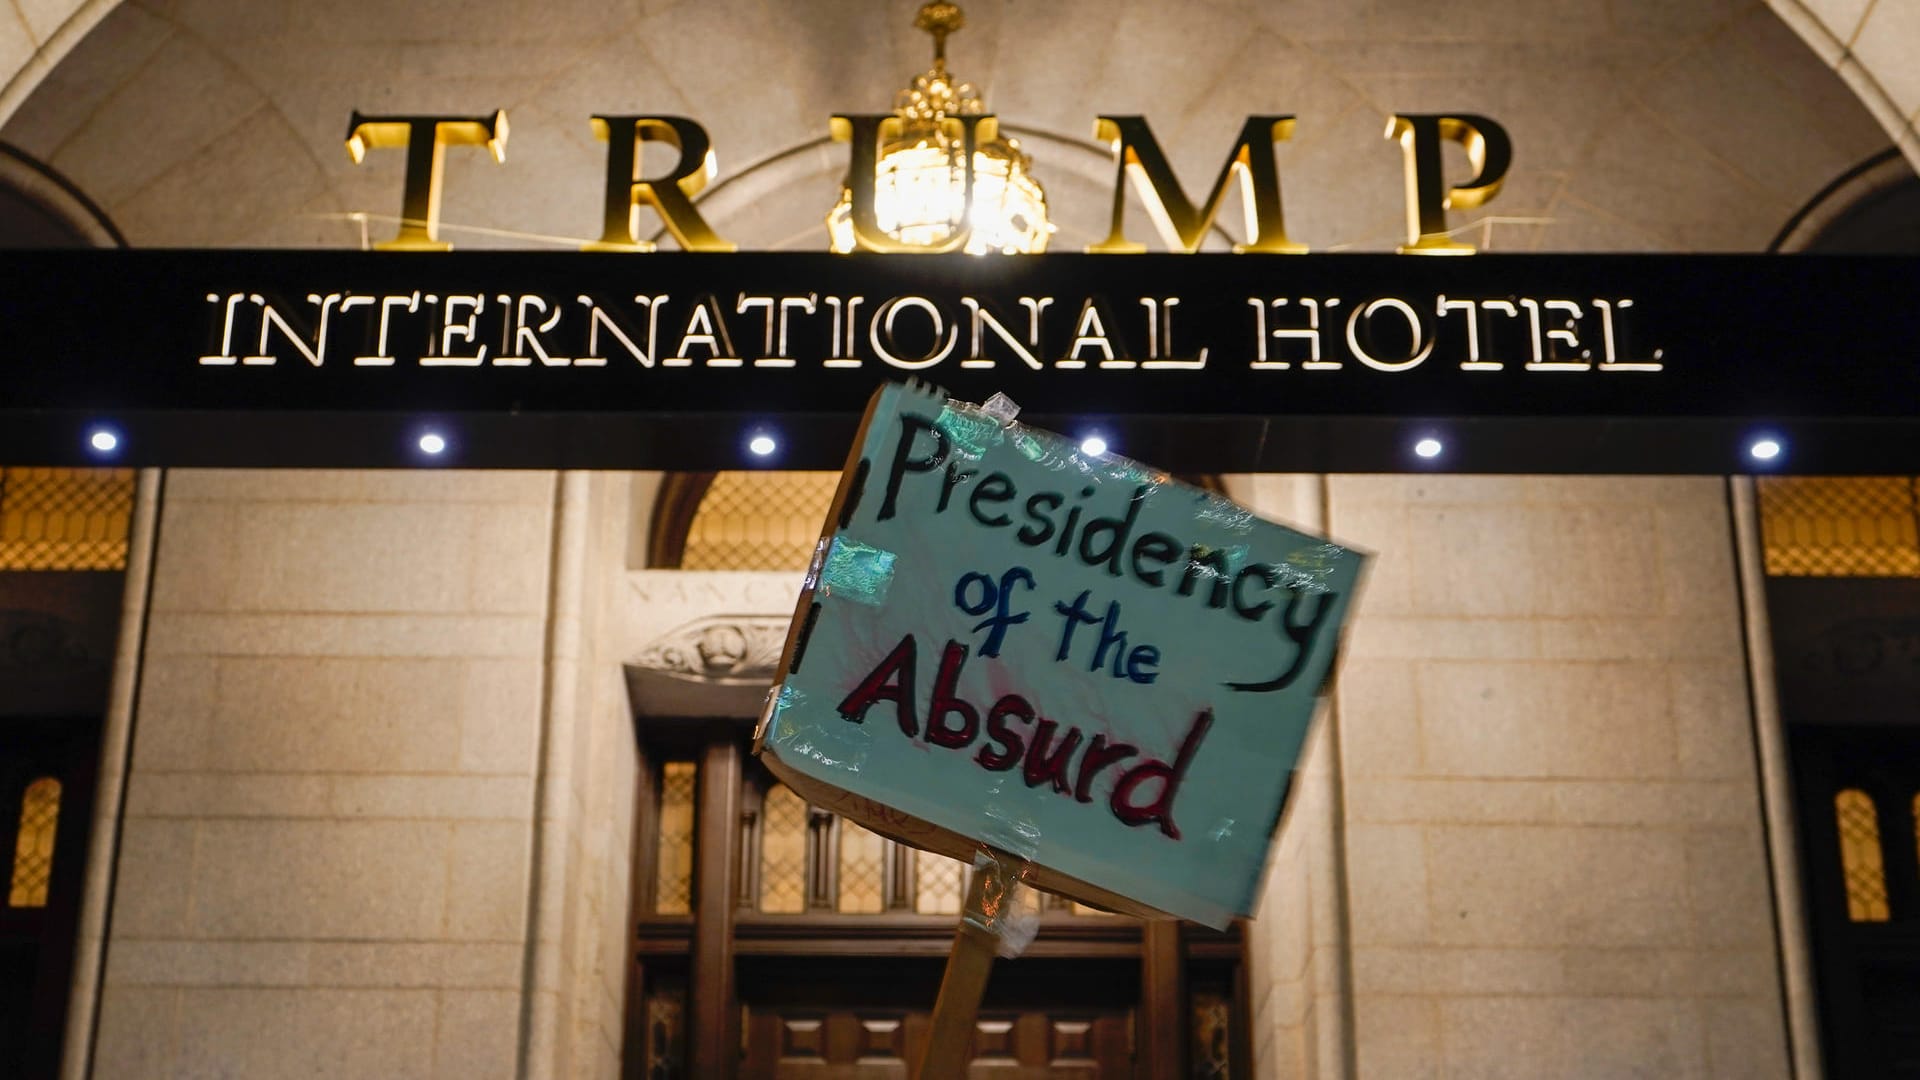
column 1069, row 657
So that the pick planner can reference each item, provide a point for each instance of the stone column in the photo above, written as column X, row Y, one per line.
column 1300, row 967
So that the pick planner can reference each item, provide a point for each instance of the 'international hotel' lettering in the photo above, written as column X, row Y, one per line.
column 1388, row 334
column 797, row 328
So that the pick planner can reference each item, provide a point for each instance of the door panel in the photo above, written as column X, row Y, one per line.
column 844, row 1019
column 39, row 905
column 846, row 1044
column 1862, row 870
column 808, row 1044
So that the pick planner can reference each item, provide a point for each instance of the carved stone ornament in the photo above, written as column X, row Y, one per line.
column 724, row 649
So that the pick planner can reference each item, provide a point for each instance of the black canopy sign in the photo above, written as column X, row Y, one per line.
column 1521, row 363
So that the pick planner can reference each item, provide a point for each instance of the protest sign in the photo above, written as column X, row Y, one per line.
column 1007, row 642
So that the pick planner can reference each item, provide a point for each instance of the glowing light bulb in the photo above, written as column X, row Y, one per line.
column 1765, row 449
column 762, row 445
column 432, row 443
column 1093, row 446
column 103, row 441
column 1428, row 447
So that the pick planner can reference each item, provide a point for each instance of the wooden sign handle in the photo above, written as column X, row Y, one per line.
column 968, row 966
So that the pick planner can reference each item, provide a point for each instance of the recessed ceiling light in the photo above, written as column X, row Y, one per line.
column 432, row 443
column 762, row 444
column 1428, row 447
column 103, row 441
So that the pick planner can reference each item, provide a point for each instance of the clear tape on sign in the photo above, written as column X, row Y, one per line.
column 1001, row 408
column 1010, row 833
column 1010, row 913
column 825, row 748
column 970, row 430
column 857, row 572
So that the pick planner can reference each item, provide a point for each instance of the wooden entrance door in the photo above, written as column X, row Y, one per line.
column 772, row 939
column 1859, row 791
column 831, row 1019
column 879, row 1044
column 46, row 802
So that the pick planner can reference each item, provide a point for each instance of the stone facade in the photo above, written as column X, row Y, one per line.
column 378, row 813
column 1552, row 821
column 1866, row 42
column 376, row 780
column 1528, row 840
column 1638, row 126
column 1527, row 835
column 334, row 773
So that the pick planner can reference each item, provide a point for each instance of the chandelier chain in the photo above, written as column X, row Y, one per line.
column 940, row 19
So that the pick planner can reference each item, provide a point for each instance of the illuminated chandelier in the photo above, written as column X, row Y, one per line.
column 920, row 182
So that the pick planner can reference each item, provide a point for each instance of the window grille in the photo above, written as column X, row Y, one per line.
column 939, row 884
column 863, row 870
column 801, row 852
column 783, row 852
column 1860, row 858
column 759, row 521
column 673, row 861
column 33, row 844
column 64, row 519
column 1841, row 526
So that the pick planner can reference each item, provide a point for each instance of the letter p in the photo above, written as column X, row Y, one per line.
column 1428, row 197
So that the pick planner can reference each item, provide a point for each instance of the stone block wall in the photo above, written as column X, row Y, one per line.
column 1548, row 816
column 379, row 812
column 325, row 857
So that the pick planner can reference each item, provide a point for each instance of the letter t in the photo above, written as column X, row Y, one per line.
column 426, row 139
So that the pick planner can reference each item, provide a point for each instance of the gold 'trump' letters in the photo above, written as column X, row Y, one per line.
column 426, row 139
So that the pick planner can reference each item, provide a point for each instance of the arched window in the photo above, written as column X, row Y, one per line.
column 1856, row 526
column 740, row 520
column 33, row 844
column 64, row 519
column 1862, row 864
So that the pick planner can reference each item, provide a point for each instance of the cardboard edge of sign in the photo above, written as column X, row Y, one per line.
column 894, row 824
